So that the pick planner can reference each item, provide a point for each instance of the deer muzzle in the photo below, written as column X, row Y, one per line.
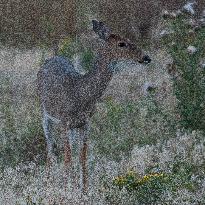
column 146, row 59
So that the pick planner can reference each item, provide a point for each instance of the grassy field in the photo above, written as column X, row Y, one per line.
column 146, row 148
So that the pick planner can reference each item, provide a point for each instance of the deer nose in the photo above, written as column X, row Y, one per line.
column 146, row 59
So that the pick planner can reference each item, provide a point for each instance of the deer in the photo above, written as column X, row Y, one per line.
column 69, row 98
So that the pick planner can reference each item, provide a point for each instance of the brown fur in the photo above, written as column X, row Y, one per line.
column 71, row 97
column 83, row 160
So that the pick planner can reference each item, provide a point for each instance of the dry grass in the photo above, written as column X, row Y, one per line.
column 30, row 22
column 27, row 184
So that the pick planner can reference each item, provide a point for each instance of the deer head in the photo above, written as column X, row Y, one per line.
column 117, row 47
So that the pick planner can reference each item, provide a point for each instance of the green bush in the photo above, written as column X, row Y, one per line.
column 146, row 189
column 21, row 133
column 29, row 147
column 190, row 84
column 71, row 47
column 153, row 188
column 120, row 126
column 87, row 59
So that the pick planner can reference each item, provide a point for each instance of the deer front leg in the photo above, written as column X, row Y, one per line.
column 83, row 158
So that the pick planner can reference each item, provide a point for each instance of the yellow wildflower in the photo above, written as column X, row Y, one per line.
column 119, row 180
column 131, row 173
column 146, row 178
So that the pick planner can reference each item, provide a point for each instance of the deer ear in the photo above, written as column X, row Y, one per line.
column 100, row 29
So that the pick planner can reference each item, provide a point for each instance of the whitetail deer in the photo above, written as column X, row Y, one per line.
column 69, row 98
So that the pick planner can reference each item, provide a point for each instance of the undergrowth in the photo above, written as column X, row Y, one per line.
column 120, row 126
column 189, row 85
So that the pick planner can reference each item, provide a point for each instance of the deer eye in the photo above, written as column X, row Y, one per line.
column 122, row 44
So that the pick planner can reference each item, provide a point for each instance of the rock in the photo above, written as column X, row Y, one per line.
column 173, row 43
column 171, row 15
column 203, row 14
column 165, row 33
column 191, row 49
column 189, row 7
column 202, row 22
column 165, row 14
column 202, row 64
column 192, row 22
column 191, row 32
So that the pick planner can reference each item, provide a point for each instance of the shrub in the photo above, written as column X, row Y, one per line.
column 190, row 85
column 70, row 47
column 147, row 189
column 21, row 131
column 120, row 126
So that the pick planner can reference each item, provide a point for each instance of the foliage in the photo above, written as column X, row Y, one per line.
column 151, row 188
column 132, row 182
column 7, row 108
column 175, row 177
column 30, row 146
column 87, row 59
column 22, row 136
column 70, row 47
column 190, row 84
column 120, row 126
column 147, row 189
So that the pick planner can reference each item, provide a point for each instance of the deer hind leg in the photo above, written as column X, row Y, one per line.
column 73, row 139
column 67, row 151
column 83, row 148
column 47, row 127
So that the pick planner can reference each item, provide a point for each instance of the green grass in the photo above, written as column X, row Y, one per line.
column 30, row 146
column 127, row 124
column 7, row 108
column 22, row 136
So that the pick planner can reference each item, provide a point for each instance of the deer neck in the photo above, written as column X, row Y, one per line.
column 98, row 79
